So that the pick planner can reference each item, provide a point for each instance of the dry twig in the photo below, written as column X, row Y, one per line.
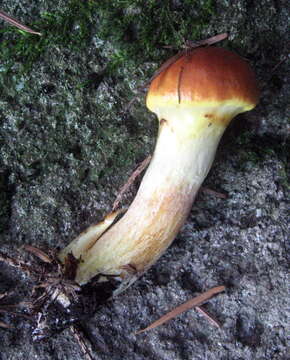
column 206, row 42
column 196, row 301
column 130, row 181
column 18, row 24
column 214, row 193
column 189, row 45
column 4, row 325
column 38, row 253
column 81, row 341
column 279, row 63
column 17, row 263
column 6, row 309
column 4, row 295
column 209, row 316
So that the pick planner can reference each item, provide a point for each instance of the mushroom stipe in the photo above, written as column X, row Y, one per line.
column 194, row 98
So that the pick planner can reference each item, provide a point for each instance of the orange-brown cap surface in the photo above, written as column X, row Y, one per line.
column 205, row 76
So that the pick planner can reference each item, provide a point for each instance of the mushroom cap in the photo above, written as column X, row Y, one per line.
column 206, row 77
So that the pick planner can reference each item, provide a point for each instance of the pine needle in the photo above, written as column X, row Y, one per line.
column 16, row 23
column 209, row 316
column 196, row 301
column 125, row 188
column 213, row 192
column 38, row 253
column 4, row 325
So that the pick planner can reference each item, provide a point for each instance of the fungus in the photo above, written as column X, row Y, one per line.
column 194, row 98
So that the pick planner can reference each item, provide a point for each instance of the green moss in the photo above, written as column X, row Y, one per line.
column 137, row 30
column 141, row 28
column 69, row 27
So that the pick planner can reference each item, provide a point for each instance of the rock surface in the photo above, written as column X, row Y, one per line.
column 66, row 148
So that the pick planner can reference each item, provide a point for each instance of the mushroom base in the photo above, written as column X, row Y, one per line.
column 160, row 208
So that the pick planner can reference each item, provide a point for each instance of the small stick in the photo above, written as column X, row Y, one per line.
column 5, row 326
column 196, row 301
column 210, row 41
column 278, row 64
column 209, row 316
column 16, row 23
column 38, row 253
column 5, row 310
column 4, row 295
column 213, row 192
column 81, row 341
column 189, row 45
column 130, row 181
column 15, row 263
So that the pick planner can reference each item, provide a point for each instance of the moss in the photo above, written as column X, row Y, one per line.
column 137, row 29
column 69, row 27
column 141, row 28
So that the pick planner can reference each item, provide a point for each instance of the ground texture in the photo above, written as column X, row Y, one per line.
column 67, row 146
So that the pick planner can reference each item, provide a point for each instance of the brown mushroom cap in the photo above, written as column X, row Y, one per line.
column 205, row 77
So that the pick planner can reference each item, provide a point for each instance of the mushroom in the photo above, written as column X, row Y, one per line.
column 194, row 98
